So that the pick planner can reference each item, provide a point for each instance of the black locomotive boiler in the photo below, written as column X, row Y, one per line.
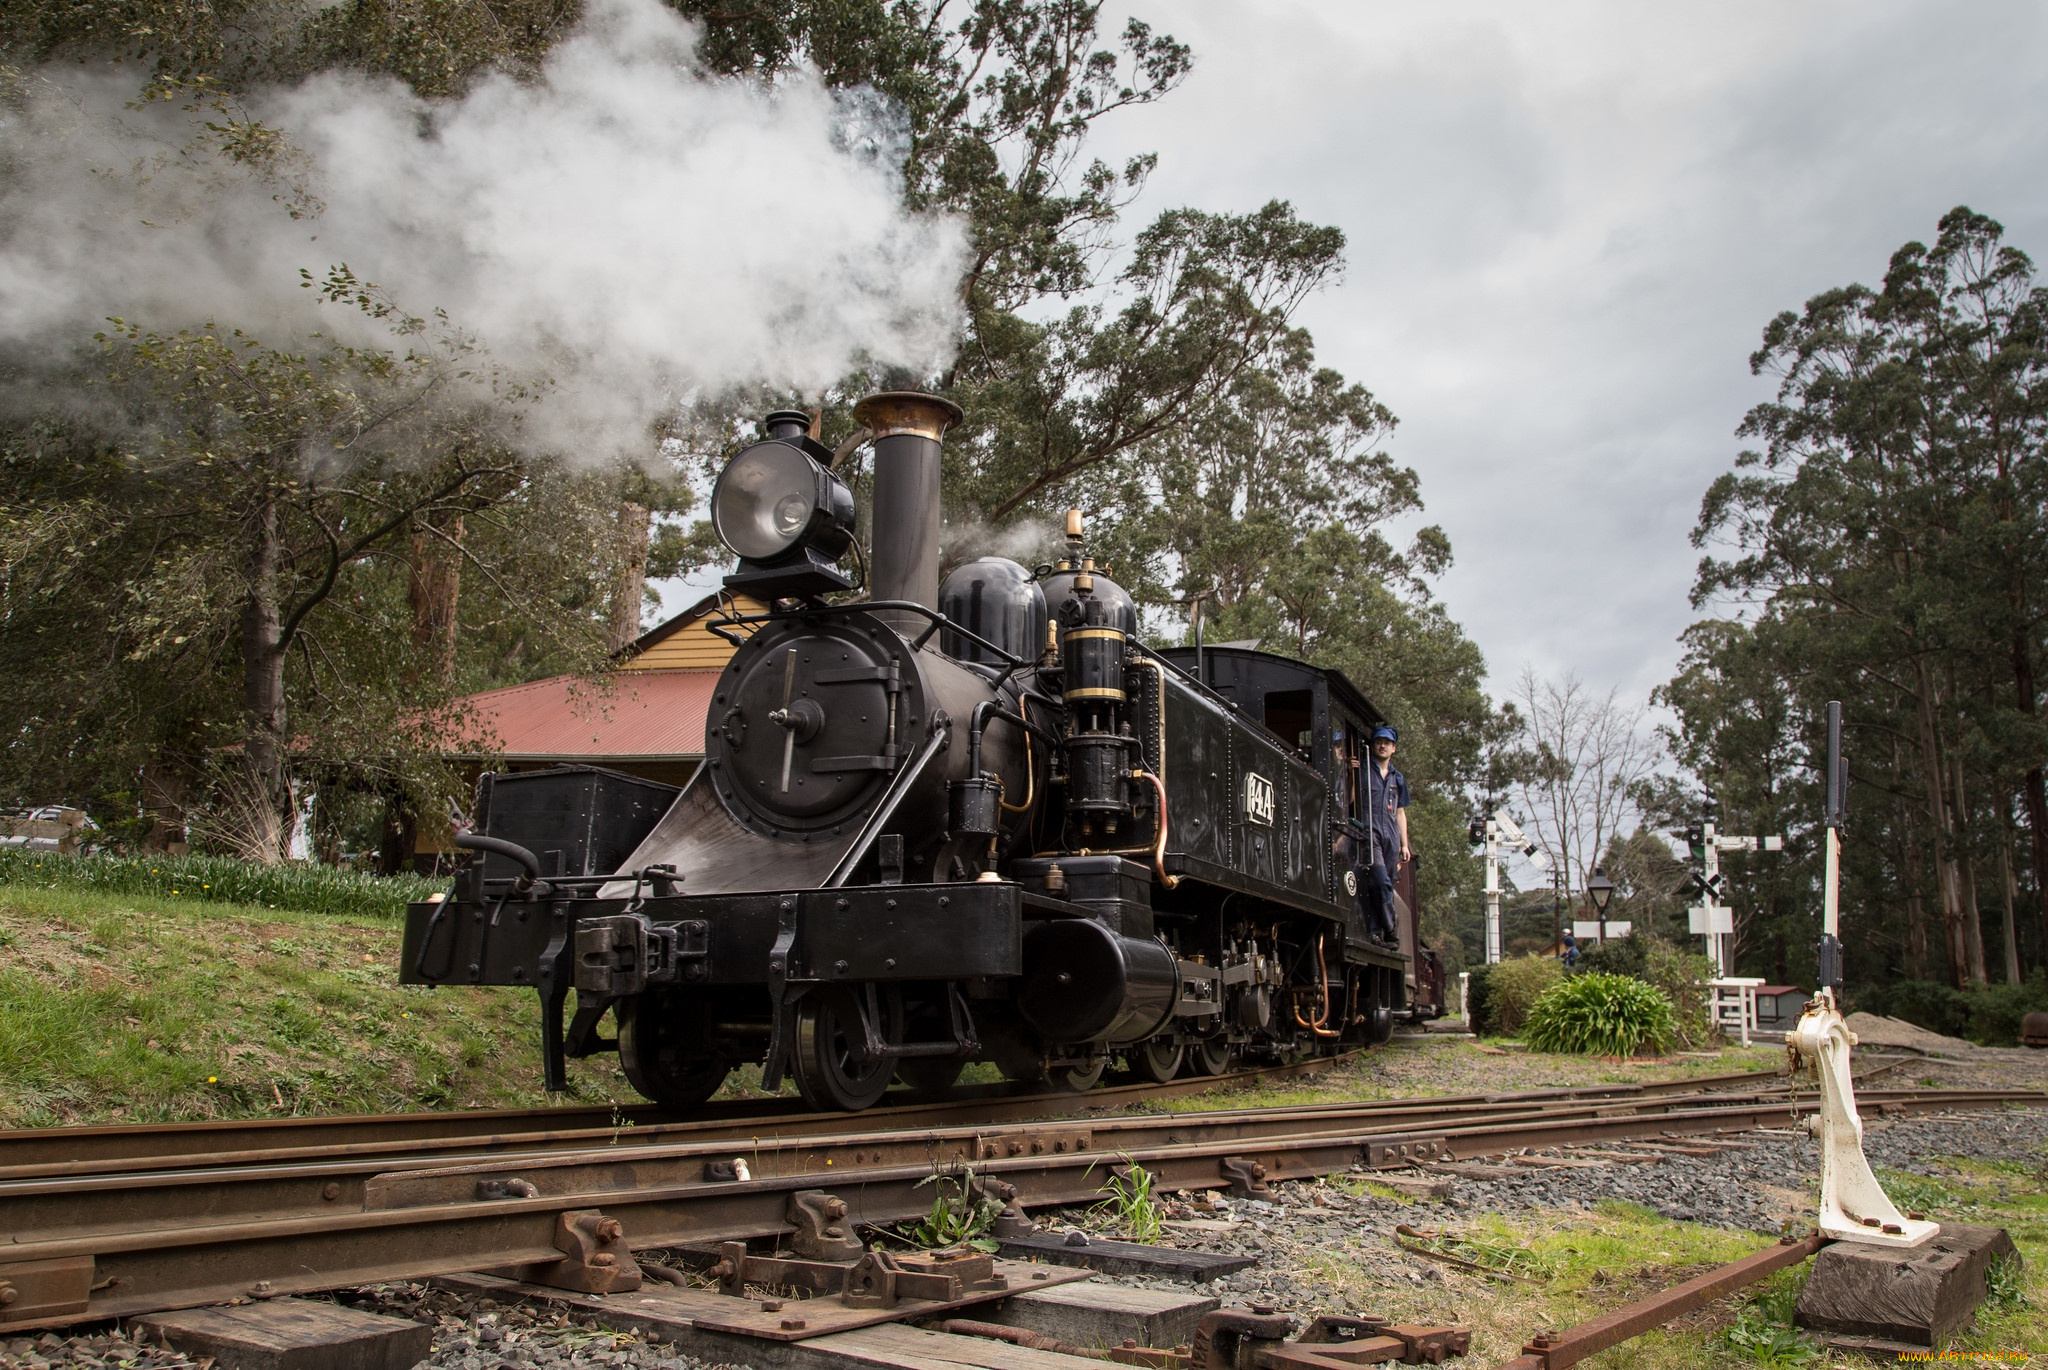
column 972, row 821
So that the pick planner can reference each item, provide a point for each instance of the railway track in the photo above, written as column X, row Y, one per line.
column 78, row 1247
column 32, row 1152
column 81, row 1152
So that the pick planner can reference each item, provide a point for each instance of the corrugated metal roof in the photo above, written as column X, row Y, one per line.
column 635, row 714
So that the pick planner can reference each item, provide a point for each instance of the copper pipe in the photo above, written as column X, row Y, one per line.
column 1323, row 985
column 1030, row 773
column 1159, row 842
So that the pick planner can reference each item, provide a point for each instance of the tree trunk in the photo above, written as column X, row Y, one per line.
column 431, row 592
column 1966, row 885
column 1932, row 771
column 1916, row 903
column 259, row 823
column 2035, row 788
column 629, row 575
column 2013, row 973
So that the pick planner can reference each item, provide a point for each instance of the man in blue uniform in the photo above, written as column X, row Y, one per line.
column 1385, row 794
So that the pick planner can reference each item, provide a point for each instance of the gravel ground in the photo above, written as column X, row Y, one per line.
column 474, row 1334
column 1307, row 1228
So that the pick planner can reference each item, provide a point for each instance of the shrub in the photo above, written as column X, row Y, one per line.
column 1996, row 1011
column 1604, row 1015
column 1681, row 974
column 1923, row 1003
column 1989, row 1016
column 221, row 879
column 1628, row 955
column 1478, row 1004
column 1514, row 986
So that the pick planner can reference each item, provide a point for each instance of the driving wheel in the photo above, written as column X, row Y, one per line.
column 662, row 1049
column 833, row 1067
column 1211, row 1055
column 1074, row 1077
column 1157, row 1060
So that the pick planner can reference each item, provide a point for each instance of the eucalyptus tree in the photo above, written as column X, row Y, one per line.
column 1890, row 528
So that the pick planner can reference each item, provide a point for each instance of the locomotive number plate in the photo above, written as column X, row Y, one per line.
column 1258, row 799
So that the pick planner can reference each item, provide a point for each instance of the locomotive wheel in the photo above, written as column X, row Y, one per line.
column 1157, row 1060
column 833, row 1069
column 1379, row 1014
column 659, row 1045
column 1068, row 1078
column 1211, row 1055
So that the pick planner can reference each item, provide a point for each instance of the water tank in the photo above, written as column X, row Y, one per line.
column 996, row 599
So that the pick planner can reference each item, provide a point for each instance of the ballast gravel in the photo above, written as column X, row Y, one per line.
column 1305, row 1231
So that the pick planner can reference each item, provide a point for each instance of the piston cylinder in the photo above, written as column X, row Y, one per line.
column 1084, row 983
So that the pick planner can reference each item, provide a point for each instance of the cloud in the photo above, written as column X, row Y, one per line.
column 1568, row 225
column 619, row 223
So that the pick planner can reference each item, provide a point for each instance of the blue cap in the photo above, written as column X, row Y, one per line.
column 1387, row 732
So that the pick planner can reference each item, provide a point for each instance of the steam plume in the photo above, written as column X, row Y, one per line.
column 620, row 224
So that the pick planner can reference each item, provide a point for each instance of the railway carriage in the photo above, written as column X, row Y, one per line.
column 977, row 820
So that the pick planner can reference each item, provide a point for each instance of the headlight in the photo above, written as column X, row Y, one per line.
column 773, row 498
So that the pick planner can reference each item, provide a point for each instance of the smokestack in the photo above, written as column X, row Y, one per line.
column 907, row 427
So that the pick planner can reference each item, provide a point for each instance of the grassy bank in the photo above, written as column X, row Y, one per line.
column 120, row 1007
column 296, row 885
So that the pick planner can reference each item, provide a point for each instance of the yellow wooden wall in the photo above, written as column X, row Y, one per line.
column 692, row 646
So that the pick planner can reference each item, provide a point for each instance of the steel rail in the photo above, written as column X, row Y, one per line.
column 108, row 1150
column 335, row 1179
column 332, row 1183
column 182, row 1264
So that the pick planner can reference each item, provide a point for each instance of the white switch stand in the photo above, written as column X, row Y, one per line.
column 1853, row 1205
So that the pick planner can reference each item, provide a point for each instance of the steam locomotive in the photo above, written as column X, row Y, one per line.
column 977, row 820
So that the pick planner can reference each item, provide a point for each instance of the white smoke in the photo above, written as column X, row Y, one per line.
column 628, row 228
column 1027, row 540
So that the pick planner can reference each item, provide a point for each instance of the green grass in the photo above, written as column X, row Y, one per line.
column 135, row 1008
column 295, row 885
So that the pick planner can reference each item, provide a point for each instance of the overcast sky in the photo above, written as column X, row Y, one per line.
column 1568, row 224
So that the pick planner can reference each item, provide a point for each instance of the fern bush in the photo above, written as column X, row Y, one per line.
column 1601, row 1015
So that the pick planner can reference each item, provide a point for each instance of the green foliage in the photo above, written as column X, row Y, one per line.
column 1131, row 1202
column 1761, row 1343
column 1888, row 534
column 2005, row 1281
column 1990, row 1016
column 292, row 885
column 1479, row 1001
column 961, row 1212
column 1763, row 1333
column 1680, row 974
column 1603, row 1015
column 1513, row 988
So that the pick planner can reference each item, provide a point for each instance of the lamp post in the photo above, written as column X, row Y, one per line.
column 1600, row 889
